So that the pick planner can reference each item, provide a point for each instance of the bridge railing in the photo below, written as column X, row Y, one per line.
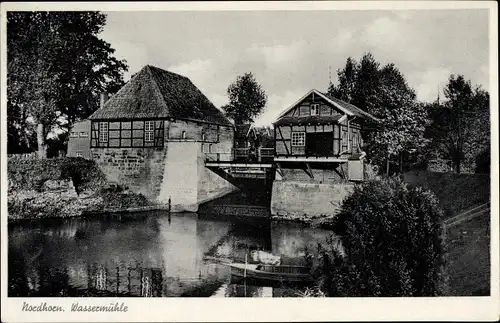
column 240, row 153
column 219, row 156
column 261, row 154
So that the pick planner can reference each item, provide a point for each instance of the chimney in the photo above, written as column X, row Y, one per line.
column 104, row 98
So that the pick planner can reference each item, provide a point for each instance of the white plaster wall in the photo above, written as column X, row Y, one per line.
column 211, row 185
column 180, row 176
column 186, row 180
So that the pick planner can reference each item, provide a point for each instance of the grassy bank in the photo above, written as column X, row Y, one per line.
column 467, row 242
column 63, row 187
column 468, row 257
column 456, row 192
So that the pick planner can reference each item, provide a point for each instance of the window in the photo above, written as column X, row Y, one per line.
column 74, row 134
column 149, row 131
column 84, row 134
column 183, row 135
column 103, row 132
column 298, row 138
column 355, row 142
column 79, row 154
column 314, row 109
column 344, row 140
column 203, row 137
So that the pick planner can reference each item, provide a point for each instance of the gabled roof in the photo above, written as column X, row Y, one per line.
column 345, row 107
column 156, row 93
column 354, row 109
column 242, row 131
column 316, row 119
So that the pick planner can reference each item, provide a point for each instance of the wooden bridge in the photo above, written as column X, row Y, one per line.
column 242, row 163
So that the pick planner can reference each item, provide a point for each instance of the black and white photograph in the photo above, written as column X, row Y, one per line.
column 299, row 153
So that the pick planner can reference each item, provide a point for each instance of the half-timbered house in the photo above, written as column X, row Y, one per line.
column 154, row 135
column 322, row 132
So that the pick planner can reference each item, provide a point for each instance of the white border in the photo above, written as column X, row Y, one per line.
column 222, row 310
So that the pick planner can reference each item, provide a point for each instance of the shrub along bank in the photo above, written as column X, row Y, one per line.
column 391, row 244
column 63, row 187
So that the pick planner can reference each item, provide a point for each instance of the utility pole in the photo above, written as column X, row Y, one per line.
column 329, row 75
column 438, row 95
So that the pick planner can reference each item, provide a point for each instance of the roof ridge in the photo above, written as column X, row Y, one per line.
column 157, row 87
column 149, row 66
column 122, row 89
column 350, row 104
column 171, row 96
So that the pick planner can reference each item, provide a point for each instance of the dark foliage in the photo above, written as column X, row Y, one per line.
column 57, row 65
column 483, row 162
column 392, row 238
column 460, row 128
column 384, row 92
column 246, row 99
column 30, row 174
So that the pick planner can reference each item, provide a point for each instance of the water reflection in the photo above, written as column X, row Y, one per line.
column 150, row 255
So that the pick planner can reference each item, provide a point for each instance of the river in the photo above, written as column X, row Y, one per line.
column 148, row 254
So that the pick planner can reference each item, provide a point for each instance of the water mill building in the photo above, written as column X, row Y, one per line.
column 153, row 134
column 318, row 154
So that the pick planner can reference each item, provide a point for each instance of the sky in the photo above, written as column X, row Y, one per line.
column 292, row 52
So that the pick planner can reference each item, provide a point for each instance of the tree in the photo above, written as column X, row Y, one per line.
column 392, row 243
column 347, row 81
column 384, row 93
column 58, row 56
column 460, row 125
column 358, row 83
column 403, row 119
column 246, row 99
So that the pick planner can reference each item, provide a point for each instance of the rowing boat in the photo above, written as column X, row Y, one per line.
column 279, row 273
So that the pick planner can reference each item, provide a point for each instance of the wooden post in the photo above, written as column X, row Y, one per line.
column 117, row 280
column 128, row 278
column 387, row 165
column 401, row 162
column 245, row 270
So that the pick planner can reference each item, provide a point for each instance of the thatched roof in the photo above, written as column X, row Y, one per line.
column 156, row 93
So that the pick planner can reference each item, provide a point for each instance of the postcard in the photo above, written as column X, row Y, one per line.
column 249, row 161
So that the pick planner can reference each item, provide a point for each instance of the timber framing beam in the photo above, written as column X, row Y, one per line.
column 341, row 174
column 229, row 164
column 309, row 171
column 279, row 170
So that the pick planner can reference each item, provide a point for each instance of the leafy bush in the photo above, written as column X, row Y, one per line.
column 483, row 162
column 30, row 174
column 392, row 238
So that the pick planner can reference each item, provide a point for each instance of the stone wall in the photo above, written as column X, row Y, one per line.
column 305, row 201
column 221, row 149
column 186, row 180
column 210, row 185
column 320, row 175
column 216, row 141
column 177, row 171
column 140, row 169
